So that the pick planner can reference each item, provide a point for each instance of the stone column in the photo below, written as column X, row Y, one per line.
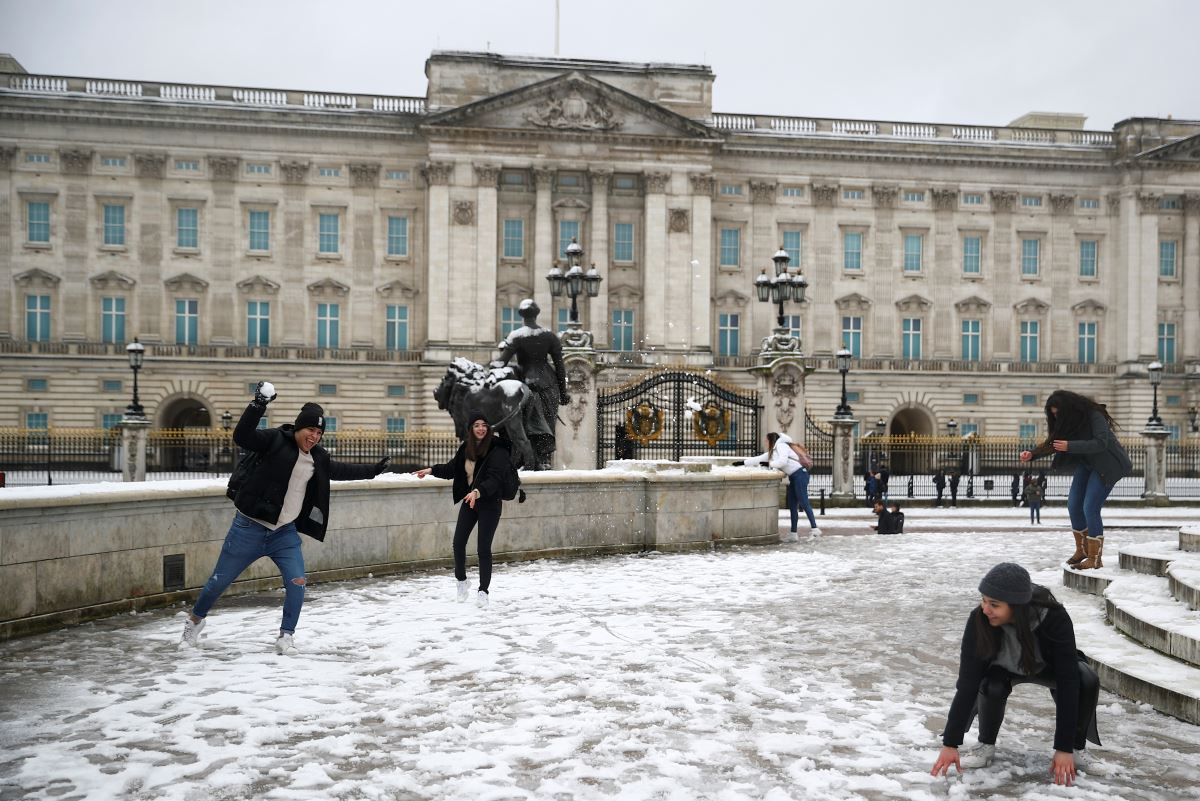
column 152, row 230
column 290, row 307
column 1191, row 279
column 1143, row 330
column 545, row 241
column 843, row 457
column 781, row 393
column 133, row 447
column 1062, row 273
column 1156, row 464
column 943, row 280
column 764, row 241
column 826, row 250
column 437, row 277
column 883, row 274
column 700, row 330
column 487, row 257
column 79, row 212
column 575, row 433
column 363, row 223
column 654, row 273
column 8, row 207
column 1004, row 274
column 224, row 225
column 598, row 306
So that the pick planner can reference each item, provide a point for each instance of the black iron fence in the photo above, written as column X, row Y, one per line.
column 73, row 456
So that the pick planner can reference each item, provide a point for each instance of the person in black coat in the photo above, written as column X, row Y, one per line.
column 1080, row 435
column 477, row 470
column 954, row 479
column 1019, row 634
column 285, row 491
column 939, row 483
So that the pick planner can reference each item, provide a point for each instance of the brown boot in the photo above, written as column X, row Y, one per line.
column 1095, row 549
column 1077, row 557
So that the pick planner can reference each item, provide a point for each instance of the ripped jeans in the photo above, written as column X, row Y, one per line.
column 246, row 543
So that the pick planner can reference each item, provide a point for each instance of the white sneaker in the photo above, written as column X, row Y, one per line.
column 481, row 599
column 191, row 632
column 814, row 532
column 284, row 645
column 791, row 536
column 978, row 757
column 463, row 591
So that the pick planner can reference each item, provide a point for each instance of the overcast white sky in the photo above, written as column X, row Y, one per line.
column 920, row 60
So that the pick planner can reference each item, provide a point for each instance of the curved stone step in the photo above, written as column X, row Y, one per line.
column 1143, row 608
column 1150, row 558
column 1130, row 669
column 1092, row 582
column 1189, row 538
column 1183, row 577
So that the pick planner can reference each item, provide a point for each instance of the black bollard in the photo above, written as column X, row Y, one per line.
column 822, row 501
column 910, row 486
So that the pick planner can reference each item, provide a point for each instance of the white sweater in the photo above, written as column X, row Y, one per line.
column 781, row 457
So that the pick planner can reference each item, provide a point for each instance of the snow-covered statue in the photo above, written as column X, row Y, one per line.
column 469, row 387
column 538, row 352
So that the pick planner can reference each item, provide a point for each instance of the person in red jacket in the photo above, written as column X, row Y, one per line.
column 1019, row 634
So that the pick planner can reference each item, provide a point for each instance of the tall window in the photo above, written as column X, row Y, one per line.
column 107, row 421
column 1166, row 342
column 327, row 233
column 623, row 242
column 728, row 326
column 112, row 320
column 1087, row 258
column 1029, row 340
column 260, row 230
column 913, row 245
column 514, row 239
column 791, row 246
column 327, row 325
column 397, row 236
column 187, row 321
column 567, row 230
column 1087, row 343
column 562, row 320
column 397, row 328
column 972, row 255
column 910, row 337
column 731, row 247
column 395, row 425
column 971, row 340
column 852, row 335
column 510, row 320
column 114, row 224
column 37, row 216
column 187, row 228
column 792, row 323
column 37, row 318
column 1166, row 258
column 622, row 330
column 37, row 420
column 1027, row 432
column 258, row 323
column 1030, row 253
column 852, row 250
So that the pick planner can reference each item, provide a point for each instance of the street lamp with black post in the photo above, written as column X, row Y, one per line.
column 779, row 289
column 1155, row 369
column 843, row 366
column 136, row 352
column 573, row 282
column 226, row 425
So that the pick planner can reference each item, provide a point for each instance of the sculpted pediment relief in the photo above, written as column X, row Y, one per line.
column 258, row 284
column 623, row 297
column 972, row 305
column 1184, row 151
column 570, row 103
column 852, row 302
column 37, row 278
column 512, row 293
column 731, row 298
column 1089, row 308
column 1031, row 306
column 185, row 282
column 397, row 289
column 111, row 279
column 914, row 303
column 327, row 287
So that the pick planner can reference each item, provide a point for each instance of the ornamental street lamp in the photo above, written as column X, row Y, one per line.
column 952, row 426
column 226, row 421
column 880, row 427
column 781, row 288
column 574, row 282
column 136, row 352
column 1155, row 369
column 843, row 366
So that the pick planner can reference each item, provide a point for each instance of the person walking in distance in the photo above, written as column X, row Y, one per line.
column 1080, row 435
column 939, row 484
column 1033, row 499
column 783, row 454
column 282, row 491
column 1019, row 633
column 954, row 479
column 477, row 470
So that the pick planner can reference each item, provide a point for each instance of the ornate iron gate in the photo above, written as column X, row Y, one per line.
column 675, row 413
column 819, row 442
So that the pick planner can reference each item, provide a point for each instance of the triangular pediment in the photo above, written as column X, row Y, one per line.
column 185, row 282
column 1031, row 306
column 327, row 287
column 397, row 289
column 1089, row 308
column 972, row 305
column 111, row 279
column 1183, row 151
column 37, row 278
column 572, row 103
column 852, row 302
column 731, row 298
column 258, row 284
column 914, row 303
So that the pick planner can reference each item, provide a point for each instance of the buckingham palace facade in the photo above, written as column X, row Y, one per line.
column 346, row 246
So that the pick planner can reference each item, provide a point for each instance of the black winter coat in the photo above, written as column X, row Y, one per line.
column 489, row 478
column 1101, row 451
column 1056, row 639
column 262, row 494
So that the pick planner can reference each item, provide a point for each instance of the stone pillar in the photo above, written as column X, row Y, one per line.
column 943, row 273
column 290, row 308
column 1005, row 273
column 487, row 257
column 152, row 231
column 654, row 273
column 364, row 178
column 223, row 225
column 598, row 306
column 1156, row 464
column 437, row 276
column 69, row 312
column 133, row 447
column 575, row 434
column 545, row 240
column 9, row 205
column 1191, row 279
column 843, row 457
column 1144, row 329
column 764, row 241
column 700, row 332
column 1062, row 270
column 781, row 393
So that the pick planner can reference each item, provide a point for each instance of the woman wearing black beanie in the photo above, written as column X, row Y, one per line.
column 1019, row 634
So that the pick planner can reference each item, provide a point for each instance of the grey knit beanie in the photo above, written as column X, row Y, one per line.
column 1008, row 582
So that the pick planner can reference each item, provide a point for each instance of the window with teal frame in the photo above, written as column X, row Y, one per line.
column 728, row 328
column 37, row 214
column 622, row 330
column 114, row 225
column 328, row 239
column 396, row 334
column 731, row 247
column 328, row 323
column 37, row 318
column 112, row 320
column 1087, row 342
column 187, row 228
column 397, row 236
column 514, row 239
column 1087, row 258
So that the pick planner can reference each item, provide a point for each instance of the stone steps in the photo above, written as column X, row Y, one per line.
column 1151, row 650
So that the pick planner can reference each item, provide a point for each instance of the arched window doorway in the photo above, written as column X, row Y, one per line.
column 184, row 412
column 907, row 460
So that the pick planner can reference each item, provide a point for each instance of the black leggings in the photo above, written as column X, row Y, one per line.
column 998, row 684
column 487, row 515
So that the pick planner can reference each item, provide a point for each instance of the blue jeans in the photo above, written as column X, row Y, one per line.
column 797, row 498
column 246, row 543
column 1087, row 496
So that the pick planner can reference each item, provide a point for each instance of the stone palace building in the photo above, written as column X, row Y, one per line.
column 346, row 246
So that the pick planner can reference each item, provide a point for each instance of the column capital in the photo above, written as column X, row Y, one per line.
column 1003, row 200
column 601, row 179
column 543, row 178
column 364, row 173
column 884, row 196
column 76, row 161
column 656, row 182
column 223, row 168
column 437, row 173
column 703, row 183
column 763, row 191
column 1113, row 201
column 294, row 172
column 1191, row 204
column 1062, row 204
column 825, row 195
column 1148, row 202
column 944, row 199
column 149, row 165
column 7, row 152
column 486, row 175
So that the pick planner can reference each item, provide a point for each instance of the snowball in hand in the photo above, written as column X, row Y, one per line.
column 267, row 389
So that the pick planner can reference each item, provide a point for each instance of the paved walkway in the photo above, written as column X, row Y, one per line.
column 814, row 671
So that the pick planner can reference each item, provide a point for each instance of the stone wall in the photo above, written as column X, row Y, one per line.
column 68, row 556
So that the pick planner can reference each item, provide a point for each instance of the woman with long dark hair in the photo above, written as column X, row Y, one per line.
column 1079, row 432
column 784, row 454
column 477, row 470
column 1019, row 634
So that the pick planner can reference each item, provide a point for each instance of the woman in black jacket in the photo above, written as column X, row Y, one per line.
column 1079, row 432
column 1019, row 634
column 478, row 473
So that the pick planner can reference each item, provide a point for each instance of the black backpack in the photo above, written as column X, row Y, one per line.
column 510, row 486
column 245, row 466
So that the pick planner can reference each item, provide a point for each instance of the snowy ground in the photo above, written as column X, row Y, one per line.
column 821, row 670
